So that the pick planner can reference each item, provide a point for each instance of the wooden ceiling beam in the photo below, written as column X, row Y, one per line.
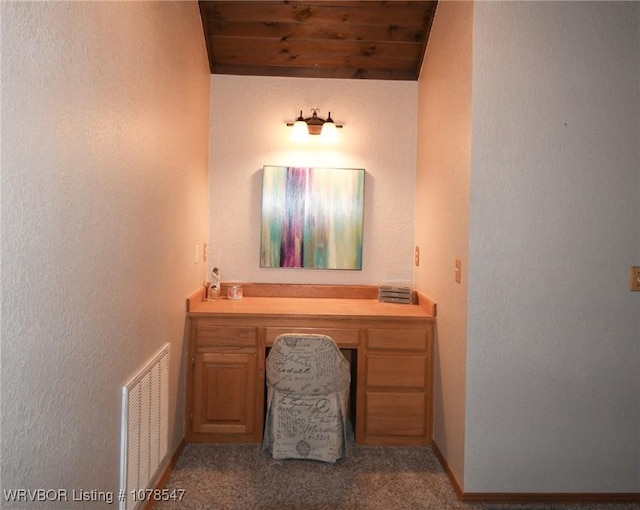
column 315, row 62
column 355, row 13
column 314, row 72
column 289, row 30
column 274, row 48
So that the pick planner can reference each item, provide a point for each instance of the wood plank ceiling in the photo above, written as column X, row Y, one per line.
column 317, row 39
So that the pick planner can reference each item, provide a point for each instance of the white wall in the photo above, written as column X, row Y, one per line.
column 553, row 357
column 442, row 212
column 104, row 196
column 248, row 131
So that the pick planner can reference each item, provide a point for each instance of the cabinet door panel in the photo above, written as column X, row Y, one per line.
column 407, row 372
column 395, row 414
column 224, row 393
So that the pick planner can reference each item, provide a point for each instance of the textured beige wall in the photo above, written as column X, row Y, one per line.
column 553, row 357
column 248, row 130
column 442, row 212
column 104, row 196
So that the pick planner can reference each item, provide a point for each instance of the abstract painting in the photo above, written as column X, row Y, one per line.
column 312, row 217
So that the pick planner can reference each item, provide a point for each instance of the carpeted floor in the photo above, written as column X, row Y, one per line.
column 240, row 477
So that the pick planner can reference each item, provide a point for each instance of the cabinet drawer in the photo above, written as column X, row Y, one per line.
column 406, row 372
column 395, row 414
column 394, row 339
column 212, row 334
column 347, row 338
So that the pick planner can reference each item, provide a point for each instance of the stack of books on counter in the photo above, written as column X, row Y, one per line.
column 396, row 294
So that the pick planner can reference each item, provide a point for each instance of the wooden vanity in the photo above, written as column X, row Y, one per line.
column 390, row 346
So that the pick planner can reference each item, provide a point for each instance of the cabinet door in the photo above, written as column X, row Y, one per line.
column 224, row 393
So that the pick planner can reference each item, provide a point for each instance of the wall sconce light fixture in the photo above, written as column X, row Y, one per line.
column 314, row 125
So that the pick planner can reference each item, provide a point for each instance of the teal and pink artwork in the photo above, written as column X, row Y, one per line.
column 312, row 217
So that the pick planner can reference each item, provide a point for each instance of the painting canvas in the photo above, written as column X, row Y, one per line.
column 312, row 217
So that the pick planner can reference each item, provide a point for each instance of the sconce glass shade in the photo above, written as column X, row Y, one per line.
column 329, row 132
column 300, row 130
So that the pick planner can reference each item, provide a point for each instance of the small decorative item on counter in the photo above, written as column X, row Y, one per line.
column 215, row 278
column 213, row 294
column 234, row 291
column 213, row 287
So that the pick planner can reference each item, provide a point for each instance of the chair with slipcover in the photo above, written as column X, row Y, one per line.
column 307, row 414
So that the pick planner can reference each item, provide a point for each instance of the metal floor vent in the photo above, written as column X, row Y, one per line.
column 144, row 428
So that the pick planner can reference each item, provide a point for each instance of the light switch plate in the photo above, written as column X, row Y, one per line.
column 635, row 278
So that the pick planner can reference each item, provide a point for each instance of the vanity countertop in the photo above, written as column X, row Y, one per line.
column 306, row 306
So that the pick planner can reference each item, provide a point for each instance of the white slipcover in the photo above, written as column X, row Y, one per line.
column 307, row 399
